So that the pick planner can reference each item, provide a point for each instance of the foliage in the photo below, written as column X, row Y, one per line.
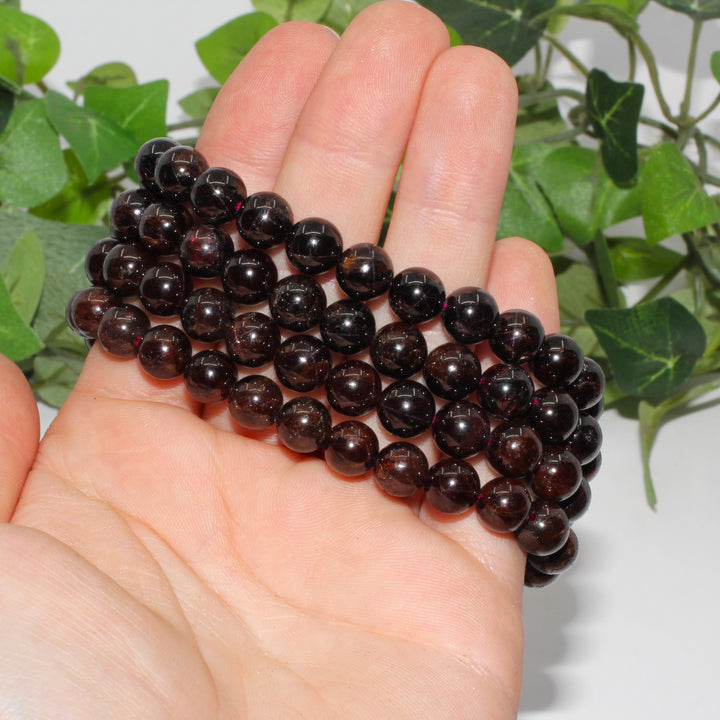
column 577, row 171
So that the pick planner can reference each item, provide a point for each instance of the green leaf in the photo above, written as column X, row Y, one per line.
column 112, row 74
column 99, row 143
column 24, row 275
column 699, row 9
column 613, row 14
column 32, row 168
column 673, row 199
column 17, row 339
column 308, row 10
column 507, row 28
column 278, row 9
column 55, row 375
column 652, row 348
column 614, row 110
column 222, row 50
column 78, row 201
column 525, row 211
column 635, row 259
column 454, row 36
column 538, row 120
column 139, row 109
column 341, row 12
column 583, row 197
column 632, row 7
column 7, row 101
column 29, row 47
column 198, row 103
column 715, row 64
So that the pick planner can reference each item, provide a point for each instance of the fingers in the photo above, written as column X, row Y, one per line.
column 19, row 434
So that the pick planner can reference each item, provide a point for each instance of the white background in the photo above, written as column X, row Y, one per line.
column 632, row 630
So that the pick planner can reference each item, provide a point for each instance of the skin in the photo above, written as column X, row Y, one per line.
column 156, row 563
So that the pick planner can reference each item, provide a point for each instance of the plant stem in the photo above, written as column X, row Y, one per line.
column 707, row 112
column 527, row 99
column 709, row 270
column 663, row 282
column 570, row 56
column 604, row 266
column 652, row 67
column 632, row 60
column 192, row 123
column 17, row 90
column 690, row 73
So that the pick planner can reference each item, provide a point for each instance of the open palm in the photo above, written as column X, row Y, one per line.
column 158, row 563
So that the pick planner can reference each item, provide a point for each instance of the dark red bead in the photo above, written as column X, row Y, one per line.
column 545, row 530
column 352, row 448
column 595, row 410
column 86, row 308
column 162, row 227
column 401, row 469
column 503, row 504
column 303, row 425
column 204, row 250
column 209, row 375
column 452, row 371
column 416, row 295
column 125, row 213
column 398, row 350
column 353, row 388
column 249, row 276
column 452, row 485
column 588, row 388
column 406, row 408
column 557, row 476
column 206, row 314
column 578, row 503
column 553, row 414
column 313, row 245
column 177, row 169
column 122, row 329
column 216, row 195
column 252, row 339
column 95, row 258
column 516, row 336
column 560, row 560
column 302, row 363
column 164, row 288
column 347, row 326
column 254, row 402
column 536, row 579
column 297, row 303
column 364, row 271
column 586, row 439
column 124, row 267
column 164, row 352
column 461, row 429
column 558, row 362
column 147, row 157
column 514, row 449
column 264, row 220
column 591, row 469
column 468, row 314
column 505, row 391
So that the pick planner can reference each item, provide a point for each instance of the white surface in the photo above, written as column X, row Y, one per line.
column 630, row 631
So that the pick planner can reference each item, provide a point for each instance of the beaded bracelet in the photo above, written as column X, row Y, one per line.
column 534, row 415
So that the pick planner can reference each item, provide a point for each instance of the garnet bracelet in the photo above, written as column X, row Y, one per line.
column 533, row 415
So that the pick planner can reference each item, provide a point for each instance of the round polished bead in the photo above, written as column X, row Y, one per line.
column 209, row 375
column 303, row 425
column 124, row 267
column 204, row 250
column 264, row 220
column 586, row 439
column 162, row 227
column 249, row 276
column 545, row 530
column 503, row 504
column 578, row 503
column 347, row 326
column 206, row 314
column 560, row 560
column 416, row 295
column 588, row 387
column 177, row 169
column 557, row 476
column 353, row 388
column 352, row 448
column 461, row 429
column 254, row 402
column 302, row 363
column 125, row 213
column 558, row 362
column 452, row 485
column 505, row 391
column 591, row 469
column 536, row 579
column 398, row 350
column 164, row 352
column 122, row 329
column 514, row 449
column 595, row 410
column 86, row 308
column 553, row 414
column 95, row 258
column 313, row 245
column 516, row 336
column 452, row 371
column 252, row 339
column 406, row 408
column 164, row 288
column 217, row 194
column 401, row 469
column 468, row 314
column 297, row 302
column 364, row 271
column 147, row 157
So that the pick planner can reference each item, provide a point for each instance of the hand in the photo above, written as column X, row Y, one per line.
column 159, row 564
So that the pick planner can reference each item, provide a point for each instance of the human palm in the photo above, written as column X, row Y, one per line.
column 158, row 563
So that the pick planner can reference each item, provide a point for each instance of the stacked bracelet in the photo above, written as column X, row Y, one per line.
column 533, row 415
